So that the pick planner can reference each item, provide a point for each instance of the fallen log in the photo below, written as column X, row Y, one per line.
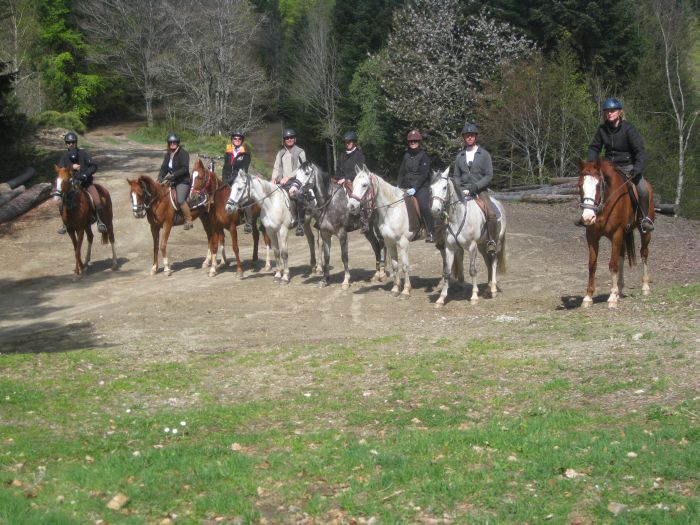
column 27, row 174
column 25, row 202
column 4, row 187
column 667, row 209
column 9, row 195
column 563, row 180
column 548, row 199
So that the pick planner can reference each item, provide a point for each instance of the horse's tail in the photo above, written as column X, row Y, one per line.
column 629, row 248
column 502, row 256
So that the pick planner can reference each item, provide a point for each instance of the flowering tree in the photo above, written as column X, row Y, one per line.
column 436, row 62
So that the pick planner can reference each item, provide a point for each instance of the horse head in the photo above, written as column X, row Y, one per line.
column 591, row 185
column 63, row 181
column 200, row 179
column 240, row 192
column 140, row 196
column 440, row 191
column 305, row 176
column 362, row 189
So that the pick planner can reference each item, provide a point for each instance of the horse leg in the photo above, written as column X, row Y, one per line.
column 493, row 275
column 326, row 257
column 593, row 242
column 234, row 247
column 256, row 240
column 164, row 247
column 448, row 257
column 616, row 260
column 403, row 253
column 211, row 254
column 644, row 254
column 474, row 299
column 393, row 257
column 268, row 243
column 76, row 254
column 343, row 241
column 278, row 260
column 90, row 237
column 284, row 253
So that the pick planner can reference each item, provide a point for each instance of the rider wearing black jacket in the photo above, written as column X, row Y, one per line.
column 414, row 177
column 175, row 170
column 624, row 147
column 236, row 158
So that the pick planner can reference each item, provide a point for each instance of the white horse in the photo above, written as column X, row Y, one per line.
column 276, row 215
column 388, row 203
column 465, row 228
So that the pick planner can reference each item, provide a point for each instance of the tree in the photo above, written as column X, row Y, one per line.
column 314, row 80
column 672, row 19
column 436, row 63
column 214, row 79
column 130, row 37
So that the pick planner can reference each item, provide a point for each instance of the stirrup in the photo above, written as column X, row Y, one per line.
column 101, row 227
column 300, row 230
column 647, row 225
column 491, row 247
column 188, row 225
column 62, row 230
column 248, row 228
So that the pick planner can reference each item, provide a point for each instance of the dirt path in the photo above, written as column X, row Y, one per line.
column 44, row 310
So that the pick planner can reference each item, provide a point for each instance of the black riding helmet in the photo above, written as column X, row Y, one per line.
column 289, row 133
column 70, row 137
column 350, row 136
column 470, row 128
column 237, row 133
column 173, row 138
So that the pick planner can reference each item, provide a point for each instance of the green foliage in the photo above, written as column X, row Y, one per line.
column 56, row 119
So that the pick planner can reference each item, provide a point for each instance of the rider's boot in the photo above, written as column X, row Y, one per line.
column 492, row 232
column 248, row 227
column 187, row 214
column 101, row 226
column 647, row 224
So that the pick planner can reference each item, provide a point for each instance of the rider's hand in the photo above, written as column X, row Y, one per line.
column 283, row 181
column 411, row 192
column 341, row 181
column 465, row 193
column 76, row 167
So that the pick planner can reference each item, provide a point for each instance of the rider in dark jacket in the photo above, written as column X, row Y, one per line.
column 83, row 168
column 238, row 158
column 624, row 147
column 349, row 159
column 473, row 173
column 175, row 171
column 414, row 177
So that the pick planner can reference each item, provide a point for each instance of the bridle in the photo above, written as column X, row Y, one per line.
column 245, row 200
column 368, row 199
column 595, row 203
column 445, row 205
column 139, row 210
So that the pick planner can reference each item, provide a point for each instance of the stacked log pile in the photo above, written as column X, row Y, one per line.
column 561, row 189
column 15, row 200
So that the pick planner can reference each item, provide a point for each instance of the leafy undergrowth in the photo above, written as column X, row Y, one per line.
column 568, row 418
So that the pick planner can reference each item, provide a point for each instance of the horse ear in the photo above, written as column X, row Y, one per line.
column 56, row 168
column 358, row 169
column 129, row 181
column 446, row 173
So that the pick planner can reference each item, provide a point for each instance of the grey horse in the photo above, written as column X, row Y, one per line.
column 328, row 203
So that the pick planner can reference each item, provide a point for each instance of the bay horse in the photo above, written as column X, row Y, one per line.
column 387, row 201
column 328, row 203
column 276, row 215
column 78, row 216
column 465, row 229
column 608, row 211
column 209, row 190
column 153, row 200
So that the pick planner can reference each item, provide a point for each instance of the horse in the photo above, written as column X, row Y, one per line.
column 78, row 216
column 388, row 203
column 210, row 191
column 154, row 200
column 465, row 228
column 276, row 216
column 608, row 211
column 329, row 207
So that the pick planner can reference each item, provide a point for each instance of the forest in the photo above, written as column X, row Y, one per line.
column 531, row 74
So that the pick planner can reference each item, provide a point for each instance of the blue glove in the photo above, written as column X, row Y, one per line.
column 411, row 192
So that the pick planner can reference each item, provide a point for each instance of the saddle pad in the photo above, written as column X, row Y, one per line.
column 413, row 210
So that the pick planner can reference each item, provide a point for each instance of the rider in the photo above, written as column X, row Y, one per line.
column 349, row 159
column 472, row 173
column 624, row 147
column 83, row 168
column 175, row 170
column 288, row 159
column 414, row 177
column 237, row 158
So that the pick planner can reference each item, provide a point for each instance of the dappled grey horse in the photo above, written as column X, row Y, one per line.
column 328, row 203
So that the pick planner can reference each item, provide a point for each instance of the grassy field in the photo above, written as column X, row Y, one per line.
column 567, row 418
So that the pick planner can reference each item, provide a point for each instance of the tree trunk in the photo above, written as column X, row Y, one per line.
column 25, row 202
column 9, row 195
column 27, row 174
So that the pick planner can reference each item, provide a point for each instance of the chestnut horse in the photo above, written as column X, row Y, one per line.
column 608, row 211
column 153, row 200
column 78, row 216
column 213, row 188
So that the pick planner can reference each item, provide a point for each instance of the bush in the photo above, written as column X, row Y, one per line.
column 56, row 119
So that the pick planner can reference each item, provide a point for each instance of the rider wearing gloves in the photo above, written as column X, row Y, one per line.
column 83, row 168
column 237, row 158
column 175, row 171
column 473, row 172
column 414, row 177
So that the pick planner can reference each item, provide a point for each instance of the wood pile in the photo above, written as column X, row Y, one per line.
column 15, row 200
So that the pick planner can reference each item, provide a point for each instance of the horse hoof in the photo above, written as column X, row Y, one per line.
column 439, row 304
column 212, row 273
column 115, row 266
column 646, row 290
column 346, row 286
column 395, row 293
column 613, row 306
column 267, row 268
column 168, row 272
column 405, row 295
column 323, row 284
column 154, row 271
column 473, row 302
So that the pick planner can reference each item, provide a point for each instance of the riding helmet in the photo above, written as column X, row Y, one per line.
column 70, row 137
column 237, row 133
column 173, row 138
column 470, row 128
column 612, row 103
column 350, row 136
column 414, row 134
column 289, row 133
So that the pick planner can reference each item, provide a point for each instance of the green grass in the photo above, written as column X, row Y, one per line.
column 402, row 429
